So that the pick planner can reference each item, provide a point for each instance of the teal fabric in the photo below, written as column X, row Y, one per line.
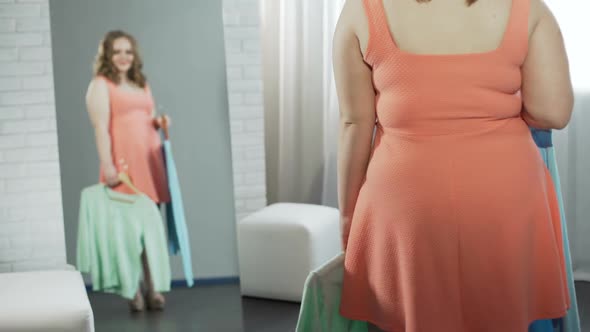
column 545, row 325
column 320, row 305
column 111, row 237
column 175, row 218
column 571, row 322
column 542, row 137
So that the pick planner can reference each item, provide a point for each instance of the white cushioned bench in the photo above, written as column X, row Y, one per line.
column 47, row 301
column 281, row 244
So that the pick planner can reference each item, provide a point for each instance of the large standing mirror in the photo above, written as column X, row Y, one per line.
column 104, row 105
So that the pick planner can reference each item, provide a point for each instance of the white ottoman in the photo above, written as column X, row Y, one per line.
column 281, row 244
column 48, row 301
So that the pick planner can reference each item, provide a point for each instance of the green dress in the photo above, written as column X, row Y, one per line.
column 111, row 237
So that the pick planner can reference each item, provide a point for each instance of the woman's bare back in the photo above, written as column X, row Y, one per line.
column 445, row 26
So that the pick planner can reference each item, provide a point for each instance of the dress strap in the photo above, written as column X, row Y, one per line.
column 379, row 34
column 517, row 32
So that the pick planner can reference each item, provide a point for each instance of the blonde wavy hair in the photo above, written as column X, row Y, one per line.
column 104, row 66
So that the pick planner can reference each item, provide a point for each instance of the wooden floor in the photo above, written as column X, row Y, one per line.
column 222, row 309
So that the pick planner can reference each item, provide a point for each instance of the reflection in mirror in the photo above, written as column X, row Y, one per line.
column 145, row 157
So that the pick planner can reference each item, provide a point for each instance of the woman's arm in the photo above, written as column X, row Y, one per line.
column 97, row 104
column 356, row 97
column 546, row 86
column 157, row 120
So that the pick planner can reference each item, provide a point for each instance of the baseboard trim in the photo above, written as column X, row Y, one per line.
column 181, row 283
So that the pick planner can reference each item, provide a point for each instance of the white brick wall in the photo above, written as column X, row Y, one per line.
column 244, row 81
column 31, row 222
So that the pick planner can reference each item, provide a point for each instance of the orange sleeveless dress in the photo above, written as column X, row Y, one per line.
column 456, row 227
column 135, row 142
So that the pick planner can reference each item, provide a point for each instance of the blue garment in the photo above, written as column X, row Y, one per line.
column 543, row 139
column 175, row 218
column 571, row 322
column 545, row 325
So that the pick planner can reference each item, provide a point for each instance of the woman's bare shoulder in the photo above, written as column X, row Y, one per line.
column 353, row 22
column 98, row 82
column 539, row 11
column 97, row 88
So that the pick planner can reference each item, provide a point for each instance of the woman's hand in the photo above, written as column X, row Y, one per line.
column 159, row 121
column 111, row 175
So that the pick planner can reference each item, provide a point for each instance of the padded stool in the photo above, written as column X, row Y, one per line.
column 281, row 244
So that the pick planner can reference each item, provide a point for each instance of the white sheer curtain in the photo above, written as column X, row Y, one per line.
column 300, row 103
column 331, row 115
column 571, row 143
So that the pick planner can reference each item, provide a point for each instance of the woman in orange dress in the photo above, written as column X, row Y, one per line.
column 121, row 109
column 449, row 216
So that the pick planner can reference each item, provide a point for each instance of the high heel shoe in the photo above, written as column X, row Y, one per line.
column 138, row 303
column 155, row 301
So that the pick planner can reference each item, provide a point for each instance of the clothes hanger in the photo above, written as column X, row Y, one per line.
column 164, row 127
column 124, row 177
column 118, row 198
